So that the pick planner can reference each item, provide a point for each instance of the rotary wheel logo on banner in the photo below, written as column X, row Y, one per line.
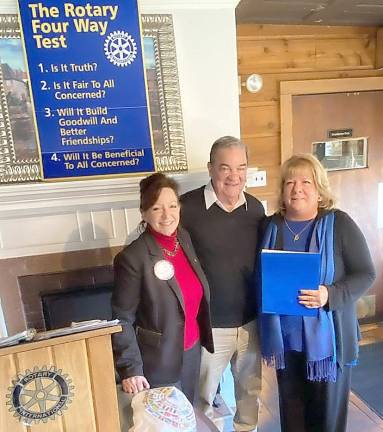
column 40, row 395
column 120, row 48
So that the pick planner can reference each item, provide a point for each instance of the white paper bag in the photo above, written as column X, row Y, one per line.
column 163, row 409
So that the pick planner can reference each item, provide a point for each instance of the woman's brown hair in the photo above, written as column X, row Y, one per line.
column 150, row 189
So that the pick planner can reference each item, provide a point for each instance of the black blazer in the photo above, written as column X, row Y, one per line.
column 152, row 312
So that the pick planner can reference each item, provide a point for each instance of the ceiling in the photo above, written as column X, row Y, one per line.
column 306, row 12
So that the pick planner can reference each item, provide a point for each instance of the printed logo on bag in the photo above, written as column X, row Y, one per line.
column 171, row 407
column 40, row 395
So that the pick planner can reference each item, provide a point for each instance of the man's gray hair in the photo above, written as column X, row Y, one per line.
column 226, row 142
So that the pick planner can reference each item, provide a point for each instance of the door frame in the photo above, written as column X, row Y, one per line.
column 288, row 89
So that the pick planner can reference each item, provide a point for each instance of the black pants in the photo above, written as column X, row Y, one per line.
column 307, row 406
column 189, row 376
column 189, row 379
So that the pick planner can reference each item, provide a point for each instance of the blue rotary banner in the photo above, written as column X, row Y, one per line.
column 88, row 86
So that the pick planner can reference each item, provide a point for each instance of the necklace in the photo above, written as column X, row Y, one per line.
column 174, row 251
column 296, row 236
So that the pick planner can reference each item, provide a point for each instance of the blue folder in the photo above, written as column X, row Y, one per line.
column 284, row 274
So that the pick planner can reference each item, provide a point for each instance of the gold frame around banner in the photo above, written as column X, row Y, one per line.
column 164, row 100
column 15, row 165
column 170, row 150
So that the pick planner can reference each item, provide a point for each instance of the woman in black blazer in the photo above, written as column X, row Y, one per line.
column 161, row 296
column 314, row 355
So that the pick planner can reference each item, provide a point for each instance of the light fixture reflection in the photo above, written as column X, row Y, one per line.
column 254, row 83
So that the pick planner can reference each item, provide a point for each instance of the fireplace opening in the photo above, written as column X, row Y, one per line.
column 54, row 300
column 77, row 304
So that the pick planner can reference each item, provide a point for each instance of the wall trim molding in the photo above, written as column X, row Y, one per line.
column 186, row 4
column 41, row 218
column 29, row 196
column 10, row 6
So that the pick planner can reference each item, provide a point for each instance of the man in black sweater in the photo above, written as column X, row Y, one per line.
column 223, row 223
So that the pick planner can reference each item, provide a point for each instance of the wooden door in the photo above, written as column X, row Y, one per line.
column 356, row 189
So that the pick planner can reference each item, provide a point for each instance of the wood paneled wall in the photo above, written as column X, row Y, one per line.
column 290, row 53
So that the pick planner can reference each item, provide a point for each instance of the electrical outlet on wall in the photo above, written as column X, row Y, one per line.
column 255, row 178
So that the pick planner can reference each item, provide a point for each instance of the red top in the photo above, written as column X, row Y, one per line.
column 189, row 283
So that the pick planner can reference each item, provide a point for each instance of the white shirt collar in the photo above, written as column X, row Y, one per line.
column 211, row 198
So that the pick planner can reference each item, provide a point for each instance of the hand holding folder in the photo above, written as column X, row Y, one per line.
column 284, row 274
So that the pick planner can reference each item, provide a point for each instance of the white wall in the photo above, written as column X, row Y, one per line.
column 8, row 6
column 205, row 37
column 207, row 68
column 207, row 64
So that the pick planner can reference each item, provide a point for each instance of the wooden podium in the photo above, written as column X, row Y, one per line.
column 64, row 384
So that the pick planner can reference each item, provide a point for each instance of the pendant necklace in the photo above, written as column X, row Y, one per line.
column 296, row 236
column 172, row 253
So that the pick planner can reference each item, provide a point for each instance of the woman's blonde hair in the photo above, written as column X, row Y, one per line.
column 307, row 161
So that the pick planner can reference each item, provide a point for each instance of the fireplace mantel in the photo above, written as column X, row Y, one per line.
column 41, row 218
column 42, row 196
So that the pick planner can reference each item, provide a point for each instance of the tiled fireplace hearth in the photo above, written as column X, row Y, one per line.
column 54, row 237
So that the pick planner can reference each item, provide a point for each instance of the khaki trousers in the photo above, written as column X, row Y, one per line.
column 240, row 347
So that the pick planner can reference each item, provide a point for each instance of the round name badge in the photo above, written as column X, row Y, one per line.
column 164, row 270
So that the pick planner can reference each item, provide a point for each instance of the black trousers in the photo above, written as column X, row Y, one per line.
column 190, row 372
column 189, row 375
column 307, row 406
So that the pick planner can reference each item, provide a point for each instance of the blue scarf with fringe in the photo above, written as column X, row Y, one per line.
column 318, row 332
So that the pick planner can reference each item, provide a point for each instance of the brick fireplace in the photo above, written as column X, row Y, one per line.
column 72, row 295
column 24, row 280
column 60, row 236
